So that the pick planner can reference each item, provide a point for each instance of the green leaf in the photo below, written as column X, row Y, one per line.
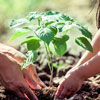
column 60, row 26
column 49, row 23
column 54, row 29
column 51, row 16
column 18, row 34
column 66, row 18
column 58, row 66
column 18, row 22
column 32, row 56
column 57, row 16
column 33, row 43
column 84, row 31
column 68, row 27
column 84, row 43
column 60, row 45
column 33, row 15
column 45, row 34
column 27, row 28
column 65, row 38
column 51, row 13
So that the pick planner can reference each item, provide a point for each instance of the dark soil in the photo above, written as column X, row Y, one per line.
column 90, row 89
column 47, row 93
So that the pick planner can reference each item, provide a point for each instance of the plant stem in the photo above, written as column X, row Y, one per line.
column 50, row 65
column 39, row 21
column 51, row 78
column 47, row 56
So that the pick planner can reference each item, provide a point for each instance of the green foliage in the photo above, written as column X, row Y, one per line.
column 84, row 31
column 32, row 56
column 52, row 28
column 32, row 43
column 18, row 22
column 45, row 34
column 20, row 32
column 58, row 66
column 83, row 42
column 60, row 45
column 16, row 35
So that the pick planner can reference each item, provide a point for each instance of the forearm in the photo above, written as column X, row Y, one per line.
column 89, row 68
column 12, row 52
column 96, row 49
column 5, row 61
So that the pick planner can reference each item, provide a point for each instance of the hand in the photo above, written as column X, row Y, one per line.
column 12, row 78
column 19, row 58
column 29, row 74
column 69, row 86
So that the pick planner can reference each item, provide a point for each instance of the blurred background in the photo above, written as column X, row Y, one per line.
column 82, row 11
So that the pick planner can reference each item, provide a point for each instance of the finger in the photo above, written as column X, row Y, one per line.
column 40, row 83
column 29, row 93
column 20, row 95
column 30, row 81
column 26, row 96
column 34, row 75
column 63, row 94
column 60, row 89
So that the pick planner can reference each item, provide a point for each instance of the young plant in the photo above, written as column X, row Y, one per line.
column 49, row 28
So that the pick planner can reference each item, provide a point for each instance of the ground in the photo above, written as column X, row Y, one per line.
column 90, row 89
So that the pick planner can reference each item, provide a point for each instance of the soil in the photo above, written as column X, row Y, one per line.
column 90, row 89
column 47, row 93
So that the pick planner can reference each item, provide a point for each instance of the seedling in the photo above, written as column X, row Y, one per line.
column 45, row 29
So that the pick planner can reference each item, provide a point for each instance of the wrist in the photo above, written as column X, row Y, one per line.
column 78, row 73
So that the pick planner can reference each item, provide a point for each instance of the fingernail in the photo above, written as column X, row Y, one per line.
column 38, row 87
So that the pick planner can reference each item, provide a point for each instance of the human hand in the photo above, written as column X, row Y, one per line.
column 30, row 72
column 69, row 86
column 12, row 78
